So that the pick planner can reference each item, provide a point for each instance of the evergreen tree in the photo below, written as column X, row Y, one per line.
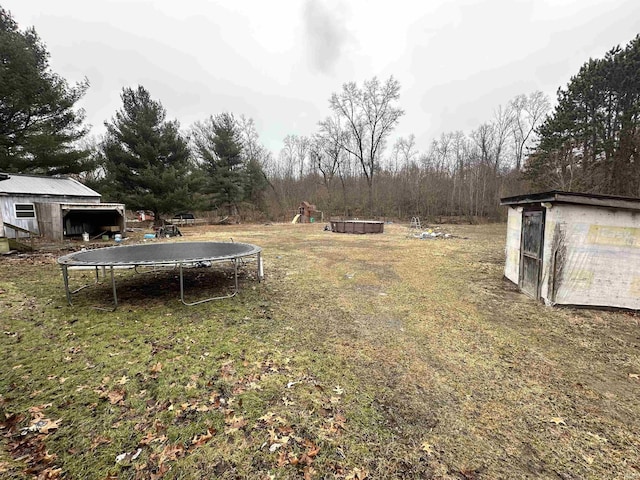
column 38, row 122
column 147, row 161
column 591, row 142
column 218, row 147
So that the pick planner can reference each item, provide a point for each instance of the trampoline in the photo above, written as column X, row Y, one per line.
column 158, row 255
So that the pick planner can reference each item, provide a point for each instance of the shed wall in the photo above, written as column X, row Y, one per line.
column 591, row 257
column 41, row 203
column 50, row 220
column 512, row 248
column 9, row 215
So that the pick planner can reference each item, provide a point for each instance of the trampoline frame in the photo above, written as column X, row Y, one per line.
column 68, row 261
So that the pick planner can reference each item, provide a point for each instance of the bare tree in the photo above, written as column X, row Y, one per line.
column 403, row 153
column 327, row 153
column 503, row 119
column 288, row 156
column 370, row 115
column 302, row 151
column 528, row 113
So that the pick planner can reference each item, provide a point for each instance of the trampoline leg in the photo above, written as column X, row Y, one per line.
column 235, row 275
column 88, row 284
column 181, row 285
column 235, row 291
column 115, row 295
column 65, row 278
column 260, row 267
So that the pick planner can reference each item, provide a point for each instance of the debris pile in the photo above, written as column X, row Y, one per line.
column 432, row 233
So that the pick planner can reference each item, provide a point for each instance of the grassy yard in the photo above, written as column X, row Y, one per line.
column 373, row 356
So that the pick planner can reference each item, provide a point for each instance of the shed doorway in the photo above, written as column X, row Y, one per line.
column 531, row 252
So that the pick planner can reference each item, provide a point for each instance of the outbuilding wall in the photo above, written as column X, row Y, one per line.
column 512, row 248
column 47, row 205
column 591, row 256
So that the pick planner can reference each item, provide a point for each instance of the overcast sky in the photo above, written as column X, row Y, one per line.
column 279, row 61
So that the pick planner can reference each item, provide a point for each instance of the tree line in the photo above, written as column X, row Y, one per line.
column 342, row 167
column 351, row 166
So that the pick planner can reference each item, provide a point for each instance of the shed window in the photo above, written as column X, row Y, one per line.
column 25, row 210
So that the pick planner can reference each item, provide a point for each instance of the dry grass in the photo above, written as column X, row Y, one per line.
column 375, row 356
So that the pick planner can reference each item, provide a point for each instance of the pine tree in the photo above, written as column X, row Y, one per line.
column 38, row 122
column 218, row 147
column 147, row 161
column 591, row 142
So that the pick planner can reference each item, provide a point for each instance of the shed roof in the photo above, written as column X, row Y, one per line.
column 555, row 196
column 13, row 184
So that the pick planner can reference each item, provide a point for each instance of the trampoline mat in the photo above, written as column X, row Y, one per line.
column 160, row 253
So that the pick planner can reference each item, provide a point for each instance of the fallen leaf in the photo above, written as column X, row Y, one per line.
column 312, row 448
column 99, row 440
column 123, row 380
column 267, row 417
column 37, row 409
column 116, row 396
column 42, row 425
column 339, row 390
column 308, row 472
column 157, row 368
column 597, row 437
column 202, row 439
column 284, row 458
column 634, row 375
column 51, row 473
column 357, row 474
column 427, row 447
column 558, row 421
column 171, row 452
column 234, row 424
column 150, row 437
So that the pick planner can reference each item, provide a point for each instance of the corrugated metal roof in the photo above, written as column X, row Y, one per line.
column 36, row 185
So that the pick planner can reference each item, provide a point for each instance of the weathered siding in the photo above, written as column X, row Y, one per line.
column 7, row 207
column 50, row 220
column 592, row 257
column 512, row 249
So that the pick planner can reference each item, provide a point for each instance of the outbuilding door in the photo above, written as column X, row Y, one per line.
column 531, row 252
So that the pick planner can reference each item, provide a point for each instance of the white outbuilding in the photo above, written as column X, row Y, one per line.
column 575, row 248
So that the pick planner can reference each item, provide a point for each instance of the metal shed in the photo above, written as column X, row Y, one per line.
column 575, row 248
column 54, row 208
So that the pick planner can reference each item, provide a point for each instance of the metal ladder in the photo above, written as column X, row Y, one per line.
column 415, row 228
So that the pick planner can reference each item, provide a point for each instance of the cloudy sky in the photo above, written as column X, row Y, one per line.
column 279, row 61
